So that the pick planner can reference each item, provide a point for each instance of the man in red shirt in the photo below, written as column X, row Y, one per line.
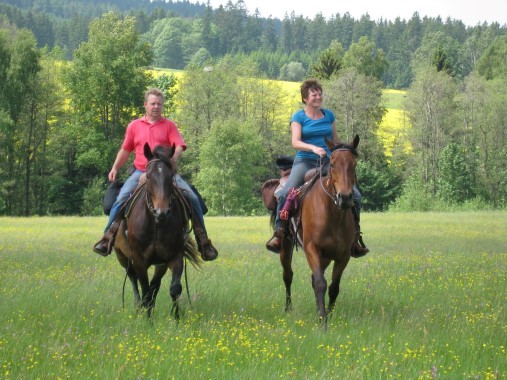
column 153, row 129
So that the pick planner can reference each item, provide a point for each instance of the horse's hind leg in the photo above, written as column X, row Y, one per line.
column 286, row 261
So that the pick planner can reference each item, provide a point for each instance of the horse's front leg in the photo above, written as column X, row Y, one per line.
column 142, row 277
column 319, row 283
column 160, row 271
column 131, row 273
column 334, row 288
column 319, row 287
column 286, row 261
column 176, row 288
column 133, row 280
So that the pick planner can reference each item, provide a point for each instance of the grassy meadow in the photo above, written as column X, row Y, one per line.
column 428, row 302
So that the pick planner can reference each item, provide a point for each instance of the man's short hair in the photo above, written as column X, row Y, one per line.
column 153, row 91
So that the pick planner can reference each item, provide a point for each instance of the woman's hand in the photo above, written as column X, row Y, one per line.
column 321, row 152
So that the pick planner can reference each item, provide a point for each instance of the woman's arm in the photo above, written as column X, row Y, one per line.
column 299, row 144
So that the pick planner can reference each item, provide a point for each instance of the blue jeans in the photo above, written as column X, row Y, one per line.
column 130, row 185
column 127, row 189
column 297, row 178
column 192, row 198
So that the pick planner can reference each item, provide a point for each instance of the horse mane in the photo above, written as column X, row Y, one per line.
column 345, row 146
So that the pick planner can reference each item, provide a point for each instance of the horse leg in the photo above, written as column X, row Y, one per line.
column 286, row 261
column 160, row 271
column 319, row 288
column 176, row 288
column 133, row 280
column 319, row 283
column 142, row 277
column 334, row 288
column 131, row 273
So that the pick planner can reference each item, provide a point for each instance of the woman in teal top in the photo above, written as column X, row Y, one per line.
column 310, row 127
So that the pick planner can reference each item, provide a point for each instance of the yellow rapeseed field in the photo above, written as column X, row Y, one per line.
column 391, row 131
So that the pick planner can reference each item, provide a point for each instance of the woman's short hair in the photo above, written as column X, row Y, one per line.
column 307, row 85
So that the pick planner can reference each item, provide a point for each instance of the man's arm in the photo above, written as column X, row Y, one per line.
column 121, row 158
column 177, row 153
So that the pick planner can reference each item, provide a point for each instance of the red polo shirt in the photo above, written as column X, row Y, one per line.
column 140, row 131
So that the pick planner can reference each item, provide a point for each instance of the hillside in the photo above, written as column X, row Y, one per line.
column 392, row 128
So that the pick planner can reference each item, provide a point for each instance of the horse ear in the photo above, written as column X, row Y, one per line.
column 355, row 143
column 147, row 152
column 329, row 143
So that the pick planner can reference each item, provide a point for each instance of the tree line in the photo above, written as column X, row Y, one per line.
column 184, row 32
column 62, row 122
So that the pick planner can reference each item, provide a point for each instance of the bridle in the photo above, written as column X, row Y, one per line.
column 333, row 195
column 149, row 203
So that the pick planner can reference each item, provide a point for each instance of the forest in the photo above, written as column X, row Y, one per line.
column 73, row 74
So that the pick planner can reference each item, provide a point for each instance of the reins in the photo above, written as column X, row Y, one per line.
column 186, row 209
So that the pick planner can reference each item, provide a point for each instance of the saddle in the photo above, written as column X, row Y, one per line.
column 135, row 197
column 271, row 188
column 291, row 210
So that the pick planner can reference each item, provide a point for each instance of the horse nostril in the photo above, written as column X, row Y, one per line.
column 350, row 200
column 162, row 212
column 344, row 201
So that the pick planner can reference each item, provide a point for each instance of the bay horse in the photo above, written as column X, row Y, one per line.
column 325, row 227
column 155, row 232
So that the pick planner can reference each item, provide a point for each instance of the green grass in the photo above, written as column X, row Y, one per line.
column 427, row 302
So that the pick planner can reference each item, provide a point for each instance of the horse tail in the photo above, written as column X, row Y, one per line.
column 272, row 218
column 191, row 253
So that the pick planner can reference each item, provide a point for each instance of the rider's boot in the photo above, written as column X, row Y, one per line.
column 275, row 243
column 207, row 250
column 105, row 245
column 359, row 249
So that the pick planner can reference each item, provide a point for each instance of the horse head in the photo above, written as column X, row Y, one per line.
column 160, row 171
column 342, row 171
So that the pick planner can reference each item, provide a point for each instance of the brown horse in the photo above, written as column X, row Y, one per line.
column 326, row 227
column 155, row 232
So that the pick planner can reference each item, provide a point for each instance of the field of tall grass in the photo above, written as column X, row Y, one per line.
column 427, row 302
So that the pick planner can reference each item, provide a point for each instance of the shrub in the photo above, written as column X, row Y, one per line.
column 92, row 198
